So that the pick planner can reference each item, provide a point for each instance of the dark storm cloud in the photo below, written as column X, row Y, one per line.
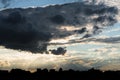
column 81, row 30
column 16, row 33
column 58, row 19
column 31, row 29
column 96, row 30
column 59, row 51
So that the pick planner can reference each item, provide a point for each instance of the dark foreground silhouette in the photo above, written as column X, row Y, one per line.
column 92, row 74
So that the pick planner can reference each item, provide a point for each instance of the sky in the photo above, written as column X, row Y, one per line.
column 69, row 42
column 30, row 3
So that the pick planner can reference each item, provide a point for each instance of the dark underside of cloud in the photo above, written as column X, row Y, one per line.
column 59, row 51
column 31, row 29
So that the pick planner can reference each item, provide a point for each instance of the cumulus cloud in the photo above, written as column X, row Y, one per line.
column 31, row 29
column 59, row 51
column 4, row 64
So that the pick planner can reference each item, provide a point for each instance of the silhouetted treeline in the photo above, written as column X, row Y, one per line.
column 45, row 74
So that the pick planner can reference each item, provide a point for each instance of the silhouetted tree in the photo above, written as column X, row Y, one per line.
column 60, row 70
column 52, row 74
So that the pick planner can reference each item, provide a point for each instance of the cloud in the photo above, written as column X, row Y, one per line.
column 111, row 65
column 31, row 29
column 5, row 3
column 80, row 31
column 58, row 19
column 100, row 41
column 27, row 61
column 108, row 40
column 4, row 64
column 49, row 61
column 59, row 51
column 16, row 33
